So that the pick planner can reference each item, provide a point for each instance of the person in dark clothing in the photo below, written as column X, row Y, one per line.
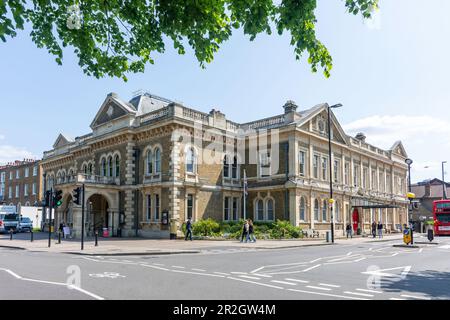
column 251, row 235
column 245, row 231
column 188, row 230
column 380, row 229
column 349, row 230
column 374, row 229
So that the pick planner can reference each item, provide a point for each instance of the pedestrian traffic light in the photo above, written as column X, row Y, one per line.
column 57, row 199
column 76, row 195
column 46, row 201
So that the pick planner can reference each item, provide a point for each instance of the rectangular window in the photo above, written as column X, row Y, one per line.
column 17, row 191
column 25, row 190
column 226, row 210
column 10, row 175
column 35, row 171
column 365, row 178
column 347, row 173
column 10, row 193
column 156, row 206
column 336, row 170
column 355, row 175
column 381, row 181
column 388, row 183
column 316, row 166
column 324, row 168
column 302, row 163
column 374, row 180
column 235, row 209
column 3, row 176
column 149, row 207
column 234, row 168
column 17, row 174
column 190, row 206
column 264, row 164
column 27, row 172
column 34, row 189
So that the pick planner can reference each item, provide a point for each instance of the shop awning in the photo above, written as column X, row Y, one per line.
column 367, row 203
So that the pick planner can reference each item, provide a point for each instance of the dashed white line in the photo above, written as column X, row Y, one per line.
column 262, row 275
column 319, row 288
column 154, row 267
column 249, row 277
column 359, row 294
column 313, row 267
column 414, row 297
column 221, row 273
column 297, row 280
column 284, row 282
column 370, row 291
column 394, row 254
column 329, row 285
column 256, row 270
column 257, row 283
column 159, row 264
column 349, row 254
column 178, row 267
column 360, row 259
column 236, row 272
column 327, row 294
column 315, row 260
column 195, row 269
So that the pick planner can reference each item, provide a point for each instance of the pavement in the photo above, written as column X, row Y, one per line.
column 141, row 246
column 357, row 269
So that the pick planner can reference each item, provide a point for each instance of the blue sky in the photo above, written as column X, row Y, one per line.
column 391, row 75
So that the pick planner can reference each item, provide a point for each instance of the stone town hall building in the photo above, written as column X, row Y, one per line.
column 135, row 169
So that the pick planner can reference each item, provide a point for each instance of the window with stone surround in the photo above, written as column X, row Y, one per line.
column 149, row 207
column 316, row 166
column 226, row 167
column 234, row 168
column 270, row 209
column 302, row 162
column 27, row 172
column 259, row 209
column 190, row 206
column 35, row 171
column 110, row 166
column 104, row 169
column 149, row 162
column 302, row 209
column 191, row 161
column 336, row 170
column 316, row 210
column 157, row 207
column 324, row 168
column 34, row 189
column 226, row 209
column 157, row 160
column 25, row 190
column 117, row 166
column 347, row 173
column 324, row 210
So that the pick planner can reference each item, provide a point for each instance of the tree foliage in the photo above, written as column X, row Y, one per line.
column 120, row 36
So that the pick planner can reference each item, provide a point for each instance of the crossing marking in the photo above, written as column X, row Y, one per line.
column 257, row 283
column 370, row 291
column 310, row 268
column 297, row 280
column 249, row 277
column 359, row 294
column 319, row 288
column 284, row 282
column 329, row 285
column 327, row 294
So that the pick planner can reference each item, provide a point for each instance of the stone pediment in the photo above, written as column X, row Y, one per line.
column 111, row 109
column 399, row 149
column 318, row 123
column 61, row 141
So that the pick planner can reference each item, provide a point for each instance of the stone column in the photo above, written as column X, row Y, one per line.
column 312, row 198
column 174, row 190
column 293, row 207
column 129, row 193
column 293, row 156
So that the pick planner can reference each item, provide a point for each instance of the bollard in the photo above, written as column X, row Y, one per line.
column 59, row 237
column 31, row 234
column 96, row 238
column 10, row 234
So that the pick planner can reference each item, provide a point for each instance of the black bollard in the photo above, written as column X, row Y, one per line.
column 96, row 238
column 31, row 234
column 10, row 234
column 59, row 237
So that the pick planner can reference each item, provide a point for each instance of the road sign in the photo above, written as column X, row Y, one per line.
column 407, row 235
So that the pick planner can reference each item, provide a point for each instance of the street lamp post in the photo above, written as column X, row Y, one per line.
column 331, row 168
column 410, row 197
column 444, row 195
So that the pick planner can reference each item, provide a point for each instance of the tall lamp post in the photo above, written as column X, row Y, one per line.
column 331, row 168
column 444, row 193
column 410, row 196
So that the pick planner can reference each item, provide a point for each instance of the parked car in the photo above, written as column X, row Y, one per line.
column 25, row 224
column 11, row 222
column 2, row 225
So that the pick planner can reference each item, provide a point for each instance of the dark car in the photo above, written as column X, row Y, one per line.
column 25, row 224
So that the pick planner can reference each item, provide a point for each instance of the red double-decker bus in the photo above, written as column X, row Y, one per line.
column 441, row 215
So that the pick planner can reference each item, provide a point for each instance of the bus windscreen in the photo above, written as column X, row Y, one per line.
column 443, row 217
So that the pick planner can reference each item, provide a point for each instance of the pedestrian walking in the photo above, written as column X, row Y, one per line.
column 349, row 230
column 188, row 229
column 245, row 231
column 374, row 229
column 380, row 229
column 251, row 231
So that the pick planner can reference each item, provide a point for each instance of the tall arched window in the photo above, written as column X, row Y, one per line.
column 234, row 168
column 84, row 169
column 302, row 209
column 110, row 166
column 324, row 210
column 259, row 209
column 190, row 160
column 316, row 210
column 226, row 167
column 270, row 210
column 63, row 177
column 149, row 162
column 157, row 160
column 90, row 170
column 117, row 166
column 104, row 172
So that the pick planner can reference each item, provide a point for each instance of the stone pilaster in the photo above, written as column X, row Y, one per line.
column 129, row 194
column 175, row 175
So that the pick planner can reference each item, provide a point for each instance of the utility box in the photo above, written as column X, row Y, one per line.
column 173, row 228
column 328, row 236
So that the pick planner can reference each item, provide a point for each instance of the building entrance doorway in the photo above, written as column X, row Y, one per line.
column 98, row 216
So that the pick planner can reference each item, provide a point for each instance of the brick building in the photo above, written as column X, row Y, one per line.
column 151, row 155
column 21, row 183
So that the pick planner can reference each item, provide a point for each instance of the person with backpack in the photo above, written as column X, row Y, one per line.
column 349, row 230
column 251, row 235
column 188, row 230
column 245, row 231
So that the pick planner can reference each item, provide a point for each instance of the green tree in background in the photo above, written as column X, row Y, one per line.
column 115, row 37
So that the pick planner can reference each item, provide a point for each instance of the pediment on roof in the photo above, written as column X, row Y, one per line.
column 111, row 109
column 61, row 141
column 399, row 149
column 318, row 124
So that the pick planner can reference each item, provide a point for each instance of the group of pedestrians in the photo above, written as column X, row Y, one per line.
column 247, row 232
column 377, row 227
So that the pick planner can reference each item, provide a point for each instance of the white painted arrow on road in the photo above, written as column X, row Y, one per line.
column 383, row 273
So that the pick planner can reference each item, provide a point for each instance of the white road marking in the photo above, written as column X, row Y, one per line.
column 159, row 264
column 154, row 267
column 221, row 273
column 420, row 250
column 69, row 286
column 178, row 267
column 313, row 267
column 284, row 282
column 359, row 294
column 256, row 270
column 360, row 259
column 338, row 262
column 380, row 272
column 195, row 269
column 349, row 254
column 315, row 260
column 447, row 246
column 297, row 280
column 414, row 297
column 329, row 285
column 249, row 277
column 396, row 299
column 319, row 288
column 394, row 254
column 236, row 272
column 370, row 291
column 327, row 294
column 262, row 275
column 257, row 283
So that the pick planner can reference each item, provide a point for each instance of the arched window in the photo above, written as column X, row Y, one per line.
column 226, row 167
column 90, row 170
column 149, row 162
column 259, row 209
column 157, row 160
column 70, row 176
column 117, row 166
column 190, row 160
column 63, row 177
column 84, row 169
column 324, row 210
column 104, row 172
column 302, row 209
column 316, row 210
column 270, row 210
column 110, row 166
column 234, row 168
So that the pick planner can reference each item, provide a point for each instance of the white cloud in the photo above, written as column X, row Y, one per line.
column 2, row 137
column 10, row 153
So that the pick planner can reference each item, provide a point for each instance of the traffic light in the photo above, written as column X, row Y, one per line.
column 76, row 195
column 57, row 199
column 47, row 198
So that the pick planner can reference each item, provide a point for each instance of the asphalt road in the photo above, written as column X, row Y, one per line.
column 363, row 271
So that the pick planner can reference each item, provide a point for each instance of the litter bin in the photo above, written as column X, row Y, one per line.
column 328, row 236
column 105, row 232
